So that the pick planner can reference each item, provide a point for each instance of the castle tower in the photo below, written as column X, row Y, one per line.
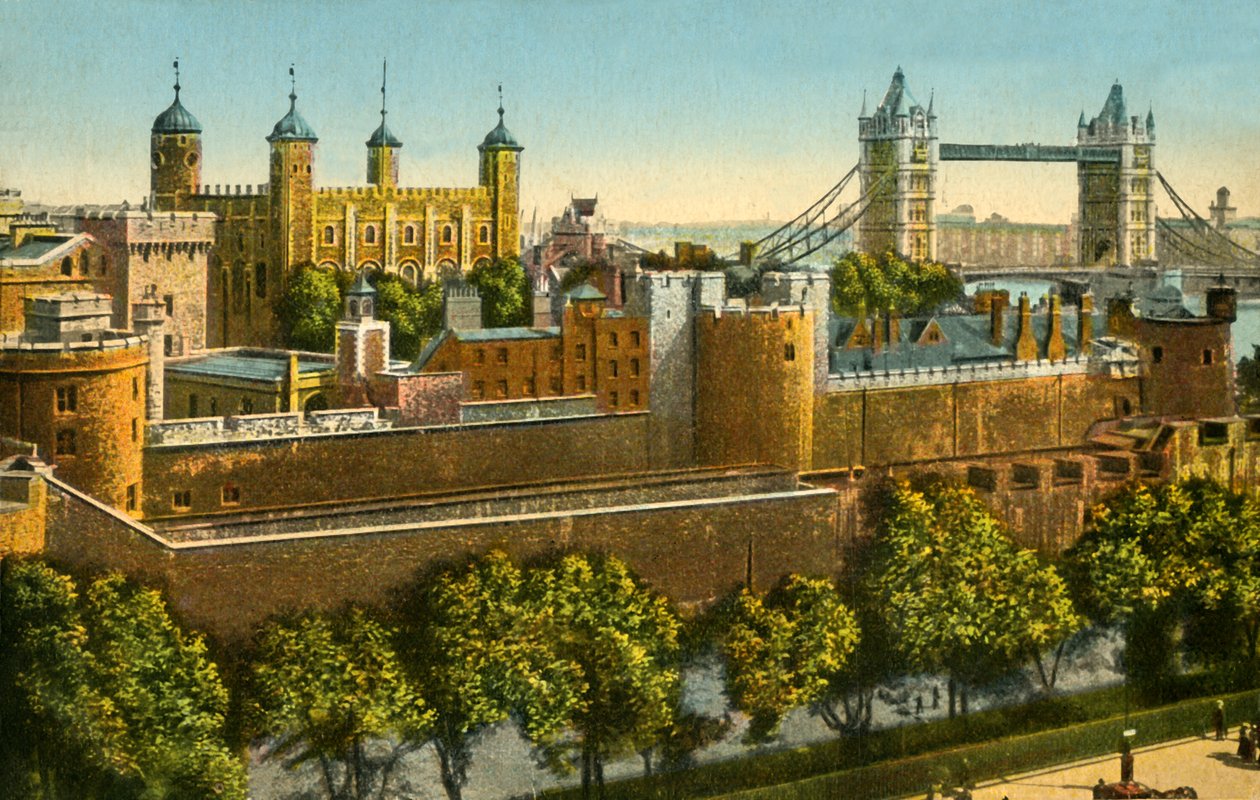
column 383, row 146
column 1117, row 201
column 149, row 318
column 500, row 171
column 175, row 155
column 1221, row 212
column 292, row 208
column 362, row 343
column 899, row 153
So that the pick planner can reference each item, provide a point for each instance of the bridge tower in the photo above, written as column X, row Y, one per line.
column 899, row 140
column 1117, row 201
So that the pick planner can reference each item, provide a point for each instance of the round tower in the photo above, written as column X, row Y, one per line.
column 383, row 146
column 175, row 155
column 500, row 170
column 292, row 205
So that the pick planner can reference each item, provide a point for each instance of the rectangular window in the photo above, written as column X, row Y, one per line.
column 133, row 497
column 135, row 429
column 135, row 388
column 1157, row 354
column 789, row 352
column 557, row 353
column 634, row 367
column 1207, row 357
column 478, row 390
column 231, row 494
column 65, row 442
column 182, row 500
column 612, row 339
column 581, row 383
column 556, row 386
column 579, row 352
column 168, row 344
column 612, row 368
column 247, row 405
column 192, row 405
column 634, row 397
column 169, row 300
column 612, row 399
column 634, row 338
column 528, row 387
column 501, row 356
column 67, row 399
column 479, row 356
column 500, row 390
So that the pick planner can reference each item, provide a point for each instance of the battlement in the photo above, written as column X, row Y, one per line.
column 248, row 427
column 969, row 373
column 228, row 190
column 773, row 313
column 402, row 193
column 100, row 340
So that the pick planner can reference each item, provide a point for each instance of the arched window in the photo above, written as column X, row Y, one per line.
column 369, row 234
column 409, row 235
column 448, row 234
column 409, row 274
column 67, row 266
column 483, row 234
column 354, row 308
column 367, row 307
column 330, row 235
column 83, row 264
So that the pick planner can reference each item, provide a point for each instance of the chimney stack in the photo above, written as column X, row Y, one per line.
column 1056, row 349
column 997, row 318
column 1025, row 343
column 1085, row 325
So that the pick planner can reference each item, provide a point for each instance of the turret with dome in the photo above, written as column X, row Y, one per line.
column 174, row 153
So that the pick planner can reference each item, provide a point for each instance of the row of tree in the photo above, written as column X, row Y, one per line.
column 864, row 284
column 311, row 305
column 105, row 697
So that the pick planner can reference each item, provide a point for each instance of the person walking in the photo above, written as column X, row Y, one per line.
column 1126, row 762
column 1244, row 742
column 1218, row 719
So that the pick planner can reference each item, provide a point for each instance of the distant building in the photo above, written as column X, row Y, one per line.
column 998, row 242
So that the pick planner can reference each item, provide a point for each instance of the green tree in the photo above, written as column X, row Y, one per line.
column 581, row 271
column 861, row 283
column 110, row 698
column 785, row 650
column 959, row 595
column 414, row 314
column 505, row 292
column 477, row 652
column 622, row 640
column 309, row 308
column 1248, row 378
column 324, row 687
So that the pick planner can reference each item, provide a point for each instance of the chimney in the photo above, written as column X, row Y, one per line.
column 291, row 383
column 1025, row 343
column 997, row 318
column 1222, row 301
column 1056, row 350
column 542, row 310
column 894, row 327
column 461, row 307
column 148, row 317
column 1085, row 325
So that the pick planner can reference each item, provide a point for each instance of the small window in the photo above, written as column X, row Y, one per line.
column 67, row 399
column 556, row 386
column 612, row 368
column 1207, row 357
column 557, row 353
column 65, row 442
column 135, row 388
column 135, row 429
column 448, row 234
column 501, row 356
column 500, row 390
column 247, row 405
column 169, row 302
column 409, row 235
column 330, row 234
column 634, row 368
column 634, row 397
column 1157, row 354
column 634, row 338
column 581, row 383
column 67, row 266
column 529, row 387
column 231, row 494
column 479, row 356
column 579, row 352
column 104, row 265
column 612, row 339
column 612, row 399
column 789, row 352
column 182, row 500
column 192, row 405
column 369, row 234
column 168, row 344
column 483, row 234
column 478, row 390
column 260, row 280
column 132, row 497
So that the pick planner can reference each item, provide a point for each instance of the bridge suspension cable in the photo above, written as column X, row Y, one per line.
column 1232, row 251
column 819, row 225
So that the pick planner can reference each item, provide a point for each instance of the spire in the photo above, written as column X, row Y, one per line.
column 862, row 113
column 500, row 137
column 1080, row 123
column 384, row 73
column 500, row 104
column 1150, row 121
column 931, row 101
column 176, row 79
column 382, row 137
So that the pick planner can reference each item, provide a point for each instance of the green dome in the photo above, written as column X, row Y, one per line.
column 176, row 119
column 291, row 127
column 500, row 137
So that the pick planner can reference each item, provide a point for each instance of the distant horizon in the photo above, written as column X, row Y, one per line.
column 694, row 110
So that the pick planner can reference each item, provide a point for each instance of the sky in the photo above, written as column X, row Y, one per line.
column 670, row 111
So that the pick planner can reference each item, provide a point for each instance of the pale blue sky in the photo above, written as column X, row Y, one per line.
column 669, row 110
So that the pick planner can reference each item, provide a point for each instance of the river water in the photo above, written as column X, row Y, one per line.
column 1246, row 328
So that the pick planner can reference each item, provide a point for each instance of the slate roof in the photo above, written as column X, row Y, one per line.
column 256, row 367
column 176, row 119
column 586, row 292
column 481, row 335
column 291, row 127
column 383, row 137
column 500, row 138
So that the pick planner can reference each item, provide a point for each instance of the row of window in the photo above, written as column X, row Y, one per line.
column 66, row 398
column 66, row 442
column 529, row 389
column 447, row 235
column 229, row 495
column 1157, row 355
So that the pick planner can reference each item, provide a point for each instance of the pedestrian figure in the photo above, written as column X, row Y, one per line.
column 1100, row 789
column 1255, row 742
column 1244, row 742
column 936, row 697
column 1218, row 719
column 918, row 705
column 1126, row 762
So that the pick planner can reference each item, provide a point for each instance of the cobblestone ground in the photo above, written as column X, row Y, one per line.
column 1211, row 767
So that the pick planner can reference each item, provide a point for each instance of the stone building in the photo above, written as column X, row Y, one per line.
column 268, row 230
column 36, row 259
column 998, row 242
